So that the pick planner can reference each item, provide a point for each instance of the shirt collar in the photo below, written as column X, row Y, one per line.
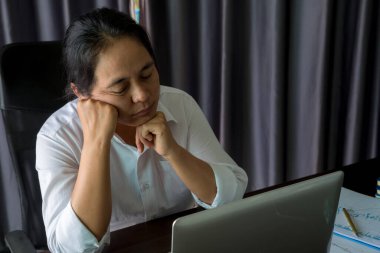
column 168, row 115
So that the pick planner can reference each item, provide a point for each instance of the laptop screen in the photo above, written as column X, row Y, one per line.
column 294, row 218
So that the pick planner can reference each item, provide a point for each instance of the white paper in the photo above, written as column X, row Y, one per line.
column 342, row 245
column 365, row 213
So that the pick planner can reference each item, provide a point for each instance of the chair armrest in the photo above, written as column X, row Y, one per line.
column 3, row 248
column 18, row 242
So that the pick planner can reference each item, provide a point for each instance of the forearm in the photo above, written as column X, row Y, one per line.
column 196, row 174
column 91, row 196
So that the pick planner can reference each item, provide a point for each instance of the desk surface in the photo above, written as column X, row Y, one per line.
column 155, row 235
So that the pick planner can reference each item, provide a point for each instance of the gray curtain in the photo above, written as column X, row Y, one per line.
column 291, row 88
column 45, row 20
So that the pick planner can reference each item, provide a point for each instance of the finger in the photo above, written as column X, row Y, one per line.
column 144, row 136
column 146, row 131
column 139, row 144
column 148, row 137
column 146, row 142
column 152, row 129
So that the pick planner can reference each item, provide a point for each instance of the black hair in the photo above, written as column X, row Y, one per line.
column 88, row 35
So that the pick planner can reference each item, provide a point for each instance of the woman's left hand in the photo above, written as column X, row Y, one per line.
column 195, row 173
column 156, row 134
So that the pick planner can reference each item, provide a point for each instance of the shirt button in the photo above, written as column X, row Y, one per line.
column 145, row 187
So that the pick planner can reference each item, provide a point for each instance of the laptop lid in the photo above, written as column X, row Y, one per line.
column 294, row 218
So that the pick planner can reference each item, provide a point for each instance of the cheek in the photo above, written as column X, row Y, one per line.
column 118, row 104
column 123, row 108
column 156, row 89
column 156, row 82
column 157, row 92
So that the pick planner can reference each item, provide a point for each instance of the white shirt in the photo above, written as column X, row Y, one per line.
column 144, row 186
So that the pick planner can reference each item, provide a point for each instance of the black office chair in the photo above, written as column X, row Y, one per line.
column 31, row 89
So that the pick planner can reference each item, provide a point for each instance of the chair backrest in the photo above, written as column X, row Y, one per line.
column 31, row 89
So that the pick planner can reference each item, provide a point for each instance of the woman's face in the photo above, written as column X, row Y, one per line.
column 126, row 77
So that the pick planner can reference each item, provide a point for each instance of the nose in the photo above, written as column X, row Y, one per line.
column 139, row 93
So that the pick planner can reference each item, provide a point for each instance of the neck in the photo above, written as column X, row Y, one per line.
column 127, row 133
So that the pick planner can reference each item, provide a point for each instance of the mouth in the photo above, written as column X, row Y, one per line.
column 143, row 112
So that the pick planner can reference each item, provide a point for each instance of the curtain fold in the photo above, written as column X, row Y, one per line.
column 307, row 86
column 268, row 78
column 357, row 82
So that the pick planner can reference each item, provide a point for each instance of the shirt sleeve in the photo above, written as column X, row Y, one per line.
column 57, row 168
column 231, row 180
column 80, row 238
column 231, row 183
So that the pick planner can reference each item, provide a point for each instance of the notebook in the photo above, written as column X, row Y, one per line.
column 295, row 218
column 365, row 213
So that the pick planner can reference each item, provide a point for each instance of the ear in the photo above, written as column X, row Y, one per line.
column 75, row 90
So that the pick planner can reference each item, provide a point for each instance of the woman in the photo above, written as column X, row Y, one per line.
column 127, row 149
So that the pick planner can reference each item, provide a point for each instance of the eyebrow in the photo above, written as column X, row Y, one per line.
column 122, row 79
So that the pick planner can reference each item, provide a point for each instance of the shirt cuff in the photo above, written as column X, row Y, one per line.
column 228, row 188
column 74, row 236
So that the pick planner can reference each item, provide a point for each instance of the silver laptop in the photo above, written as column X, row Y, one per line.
column 297, row 218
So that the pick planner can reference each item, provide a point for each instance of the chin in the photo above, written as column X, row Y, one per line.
column 135, row 122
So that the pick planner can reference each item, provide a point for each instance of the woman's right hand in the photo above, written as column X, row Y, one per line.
column 98, row 119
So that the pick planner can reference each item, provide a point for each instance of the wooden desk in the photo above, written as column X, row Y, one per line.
column 151, row 236
column 155, row 235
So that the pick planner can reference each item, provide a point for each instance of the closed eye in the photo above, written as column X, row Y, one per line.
column 147, row 71
column 146, row 76
column 119, row 92
column 122, row 89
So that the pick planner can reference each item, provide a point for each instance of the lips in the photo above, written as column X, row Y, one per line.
column 143, row 112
